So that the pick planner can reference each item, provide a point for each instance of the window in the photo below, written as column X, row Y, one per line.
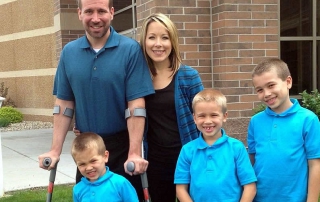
column 300, row 42
column 124, row 21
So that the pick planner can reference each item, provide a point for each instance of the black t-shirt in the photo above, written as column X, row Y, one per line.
column 163, row 134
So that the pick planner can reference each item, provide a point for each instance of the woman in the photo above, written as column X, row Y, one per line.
column 169, row 111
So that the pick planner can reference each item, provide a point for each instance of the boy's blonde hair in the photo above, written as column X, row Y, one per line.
column 211, row 95
column 86, row 141
column 174, row 57
column 272, row 63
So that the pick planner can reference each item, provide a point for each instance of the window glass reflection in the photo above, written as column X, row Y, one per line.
column 298, row 56
column 120, row 4
column 296, row 17
column 318, row 18
column 123, row 21
column 318, row 65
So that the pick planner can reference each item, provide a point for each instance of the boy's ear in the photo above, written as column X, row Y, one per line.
column 225, row 116
column 289, row 82
column 106, row 155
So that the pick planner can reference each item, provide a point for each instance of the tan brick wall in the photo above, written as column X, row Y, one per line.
column 23, row 15
column 29, row 55
column 27, row 41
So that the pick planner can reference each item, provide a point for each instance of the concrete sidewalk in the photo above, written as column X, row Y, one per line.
column 20, row 151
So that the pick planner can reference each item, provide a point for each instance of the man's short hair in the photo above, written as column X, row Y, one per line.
column 110, row 3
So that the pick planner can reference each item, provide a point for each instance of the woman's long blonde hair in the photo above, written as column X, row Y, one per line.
column 174, row 57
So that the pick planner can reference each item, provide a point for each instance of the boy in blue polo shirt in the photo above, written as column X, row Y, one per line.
column 283, row 140
column 213, row 167
column 99, row 183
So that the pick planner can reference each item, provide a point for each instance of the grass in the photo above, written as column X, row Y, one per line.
column 61, row 193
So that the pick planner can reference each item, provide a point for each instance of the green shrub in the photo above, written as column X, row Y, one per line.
column 12, row 114
column 311, row 101
column 4, row 122
column 259, row 108
column 4, row 93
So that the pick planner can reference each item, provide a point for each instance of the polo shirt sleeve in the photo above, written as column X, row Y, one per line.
column 62, row 88
column 245, row 172
column 182, row 172
column 75, row 193
column 250, row 138
column 138, row 78
column 312, row 138
column 128, row 193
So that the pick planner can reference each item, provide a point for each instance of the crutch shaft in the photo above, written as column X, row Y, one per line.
column 144, row 181
column 46, row 162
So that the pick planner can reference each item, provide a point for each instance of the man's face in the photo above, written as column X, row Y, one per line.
column 96, row 17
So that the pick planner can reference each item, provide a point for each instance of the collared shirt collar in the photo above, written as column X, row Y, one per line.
column 113, row 40
column 202, row 143
column 293, row 109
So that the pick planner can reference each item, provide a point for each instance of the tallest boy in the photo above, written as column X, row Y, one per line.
column 101, row 76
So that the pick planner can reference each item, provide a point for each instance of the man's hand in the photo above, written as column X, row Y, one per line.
column 140, row 165
column 54, row 160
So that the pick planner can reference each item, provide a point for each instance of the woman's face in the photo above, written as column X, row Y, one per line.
column 158, row 43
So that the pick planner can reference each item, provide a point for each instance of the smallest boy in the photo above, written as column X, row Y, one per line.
column 99, row 183
column 283, row 140
column 213, row 167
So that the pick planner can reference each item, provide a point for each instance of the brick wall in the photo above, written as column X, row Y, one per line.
column 223, row 40
column 27, row 60
column 65, row 34
column 244, row 34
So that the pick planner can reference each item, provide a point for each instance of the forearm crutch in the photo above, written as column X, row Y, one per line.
column 46, row 163
column 144, row 179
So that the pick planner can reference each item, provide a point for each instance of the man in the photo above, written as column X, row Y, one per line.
column 101, row 76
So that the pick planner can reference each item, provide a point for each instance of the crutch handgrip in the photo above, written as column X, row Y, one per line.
column 46, row 162
column 130, row 166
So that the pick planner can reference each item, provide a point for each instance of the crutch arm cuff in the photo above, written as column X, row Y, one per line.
column 136, row 112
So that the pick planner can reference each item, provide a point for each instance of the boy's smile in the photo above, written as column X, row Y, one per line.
column 209, row 119
column 272, row 90
column 91, row 164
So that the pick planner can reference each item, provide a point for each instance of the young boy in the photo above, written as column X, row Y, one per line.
column 283, row 140
column 99, row 183
column 215, row 166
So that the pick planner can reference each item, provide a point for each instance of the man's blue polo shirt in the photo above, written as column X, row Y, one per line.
column 102, row 83
column 215, row 173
